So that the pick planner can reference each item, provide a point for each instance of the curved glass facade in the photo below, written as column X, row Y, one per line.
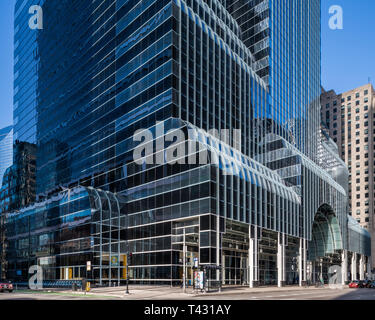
column 62, row 233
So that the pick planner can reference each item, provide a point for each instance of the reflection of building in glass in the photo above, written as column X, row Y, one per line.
column 18, row 188
column 6, row 150
column 262, row 211
column 6, row 160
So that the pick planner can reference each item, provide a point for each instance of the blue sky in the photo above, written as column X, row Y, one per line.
column 6, row 63
column 348, row 55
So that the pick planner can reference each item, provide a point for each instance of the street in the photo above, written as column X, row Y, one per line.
column 167, row 293
column 308, row 294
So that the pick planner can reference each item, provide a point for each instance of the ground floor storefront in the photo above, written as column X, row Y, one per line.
column 227, row 252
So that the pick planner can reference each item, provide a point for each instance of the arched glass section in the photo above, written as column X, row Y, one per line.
column 62, row 233
column 326, row 234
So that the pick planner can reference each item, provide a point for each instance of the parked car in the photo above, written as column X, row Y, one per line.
column 372, row 285
column 354, row 284
column 366, row 283
column 6, row 286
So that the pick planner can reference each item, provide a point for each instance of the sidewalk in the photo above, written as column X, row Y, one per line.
column 176, row 293
column 260, row 290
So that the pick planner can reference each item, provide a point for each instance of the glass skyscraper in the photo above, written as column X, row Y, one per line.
column 261, row 209
column 284, row 37
column 25, row 73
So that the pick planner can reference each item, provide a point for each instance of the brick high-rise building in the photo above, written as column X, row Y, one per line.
column 350, row 120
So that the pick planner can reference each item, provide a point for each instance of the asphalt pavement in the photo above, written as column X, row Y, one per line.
column 168, row 293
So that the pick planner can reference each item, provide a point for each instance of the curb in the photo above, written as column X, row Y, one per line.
column 259, row 292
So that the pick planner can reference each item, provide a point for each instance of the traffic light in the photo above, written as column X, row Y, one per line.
column 130, row 258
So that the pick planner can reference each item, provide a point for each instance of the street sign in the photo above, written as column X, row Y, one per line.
column 114, row 261
column 196, row 262
column 88, row 265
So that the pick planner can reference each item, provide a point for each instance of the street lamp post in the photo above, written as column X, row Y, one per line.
column 128, row 256
column 127, row 280
column 129, row 261
column 184, row 263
